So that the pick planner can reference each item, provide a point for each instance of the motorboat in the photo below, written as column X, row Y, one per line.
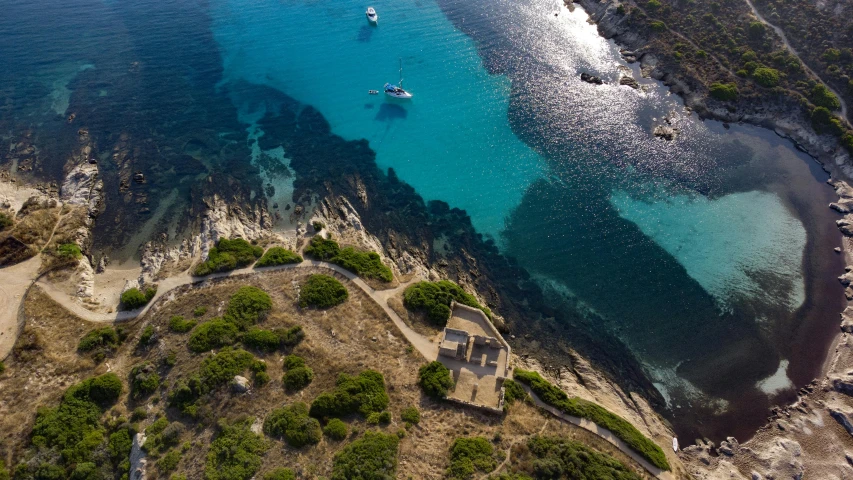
column 372, row 17
column 396, row 91
column 373, row 92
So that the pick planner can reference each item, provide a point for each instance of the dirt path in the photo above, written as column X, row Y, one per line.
column 427, row 348
column 793, row 51
column 14, row 283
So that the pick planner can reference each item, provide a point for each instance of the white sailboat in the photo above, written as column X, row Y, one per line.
column 372, row 17
column 396, row 91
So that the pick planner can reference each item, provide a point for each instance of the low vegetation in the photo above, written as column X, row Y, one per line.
column 435, row 380
column 363, row 264
column 322, row 291
column 335, row 429
column 280, row 474
column 179, row 324
column 101, row 342
column 364, row 394
column 248, row 306
column 69, row 437
column 578, row 407
column 227, row 255
column 236, row 452
column 469, row 455
column 371, row 457
column 219, row 369
column 554, row 457
column 294, row 425
column 144, row 380
column 278, row 256
column 297, row 375
column 147, row 336
column 411, row 416
column 726, row 92
column 69, row 250
column 513, row 392
column 434, row 299
column 133, row 298
column 215, row 333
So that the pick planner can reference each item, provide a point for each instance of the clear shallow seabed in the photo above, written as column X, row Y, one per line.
column 709, row 256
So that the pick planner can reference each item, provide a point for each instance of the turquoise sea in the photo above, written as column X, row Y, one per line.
column 710, row 257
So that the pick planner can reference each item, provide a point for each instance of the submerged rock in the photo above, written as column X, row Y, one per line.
column 591, row 79
column 666, row 132
column 629, row 81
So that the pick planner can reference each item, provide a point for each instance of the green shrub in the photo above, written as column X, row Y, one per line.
column 261, row 379
column 336, row 429
column 2, row 367
column 766, row 77
column 364, row 264
column 364, row 394
column 139, row 413
column 620, row 427
column 292, row 336
column 169, row 461
column 513, row 391
column 434, row 299
column 222, row 367
column 318, row 225
column 297, row 378
column 235, row 454
column 657, row 26
column 322, row 291
column 280, row 474
column 846, row 141
column 554, row 457
column 653, row 5
column 822, row 97
column 262, row 340
column 435, row 380
column 178, row 476
column 199, row 311
column 133, row 298
column 323, row 249
column 144, row 380
column 105, row 338
column 248, row 306
column 371, row 457
column 373, row 418
column 469, row 454
column 831, row 55
column 73, row 430
column 756, row 29
column 171, row 359
column 119, row 445
column 5, row 221
column 825, row 122
column 228, row 255
column 294, row 425
column 69, row 250
column 278, row 256
column 293, row 361
column 411, row 415
column 726, row 92
column 179, row 324
column 213, row 334
column 147, row 335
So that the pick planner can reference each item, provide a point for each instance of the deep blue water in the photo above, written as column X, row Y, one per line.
column 709, row 257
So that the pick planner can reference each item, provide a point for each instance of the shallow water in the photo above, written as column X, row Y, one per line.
column 709, row 256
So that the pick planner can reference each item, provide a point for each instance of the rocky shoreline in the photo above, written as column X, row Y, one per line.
column 785, row 120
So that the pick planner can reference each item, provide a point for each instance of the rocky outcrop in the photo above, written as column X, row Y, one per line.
column 843, row 418
column 787, row 120
column 82, row 186
column 591, row 79
column 137, row 458
column 240, row 384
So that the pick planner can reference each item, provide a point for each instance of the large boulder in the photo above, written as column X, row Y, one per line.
column 137, row 458
column 240, row 384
